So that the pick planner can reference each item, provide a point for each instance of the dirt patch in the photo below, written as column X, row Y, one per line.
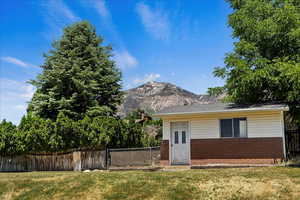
column 251, row 188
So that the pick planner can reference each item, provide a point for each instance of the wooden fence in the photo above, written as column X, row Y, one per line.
column 79, row 160
column 74, row 160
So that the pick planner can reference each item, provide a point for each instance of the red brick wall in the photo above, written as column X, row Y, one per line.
column 235, row 161
column 237, row 148
column 231, row 151
column 164, row 150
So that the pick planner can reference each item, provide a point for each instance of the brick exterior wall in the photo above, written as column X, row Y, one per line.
column 164, row 152
column 231, row 151
column 237, row 148
column 235, row 161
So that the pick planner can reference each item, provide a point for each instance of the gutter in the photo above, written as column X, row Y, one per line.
column 286, row 108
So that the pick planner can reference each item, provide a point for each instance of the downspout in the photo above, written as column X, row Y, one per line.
column 283, row 134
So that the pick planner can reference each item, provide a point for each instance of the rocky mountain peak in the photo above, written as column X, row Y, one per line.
column 154, row 96
column 160, row 88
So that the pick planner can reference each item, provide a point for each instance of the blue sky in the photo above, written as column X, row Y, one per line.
column 173, row 41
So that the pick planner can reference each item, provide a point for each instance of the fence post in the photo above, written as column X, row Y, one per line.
column 106, row 157
column 77, row 160
column 150, row 156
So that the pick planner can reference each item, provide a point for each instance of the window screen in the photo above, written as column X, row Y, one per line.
column 226, row 127
column 236, row 127
column 243, row 127
column 176, row 137
column 183, row 137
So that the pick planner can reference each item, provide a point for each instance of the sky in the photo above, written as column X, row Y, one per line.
column 174, row 41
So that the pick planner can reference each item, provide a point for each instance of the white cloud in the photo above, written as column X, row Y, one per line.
column 156, row 21
column 57, row 15
column 11, row 89
column 16, row 61
column 147, row 78
column 14, row 96
column 64, row 10
column 122, row 56
column 59, row 11
column 28, row 91
column 125, row 60
column 101, row 8
column 21, row 107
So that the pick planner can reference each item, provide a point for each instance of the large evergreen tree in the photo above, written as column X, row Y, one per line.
column 78, row 77
column 265, row 63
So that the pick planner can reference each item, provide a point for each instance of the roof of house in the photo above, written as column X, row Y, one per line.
column 219, row 107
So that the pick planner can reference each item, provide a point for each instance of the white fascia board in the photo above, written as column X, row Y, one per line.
column 285, row 108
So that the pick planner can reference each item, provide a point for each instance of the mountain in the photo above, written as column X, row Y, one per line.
column 154, row 96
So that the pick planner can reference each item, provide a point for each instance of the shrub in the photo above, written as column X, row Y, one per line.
column 8, row 138
column 36, row 134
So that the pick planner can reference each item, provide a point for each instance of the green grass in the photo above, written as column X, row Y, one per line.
column 246, row 183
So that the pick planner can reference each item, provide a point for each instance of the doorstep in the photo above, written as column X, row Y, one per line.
column 134, row 168
column 176, row 168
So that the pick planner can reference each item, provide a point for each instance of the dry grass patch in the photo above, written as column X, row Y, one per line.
column 12, row 194
column 243, row 188
column 251, row 183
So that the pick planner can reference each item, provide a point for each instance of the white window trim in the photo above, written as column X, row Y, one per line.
column 220, row 135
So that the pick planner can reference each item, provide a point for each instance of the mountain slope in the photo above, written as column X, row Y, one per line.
column 154, row 96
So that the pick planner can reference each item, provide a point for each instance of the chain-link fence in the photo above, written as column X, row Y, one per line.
column 146, row 156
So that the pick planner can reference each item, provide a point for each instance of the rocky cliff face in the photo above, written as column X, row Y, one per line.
column 154, row 96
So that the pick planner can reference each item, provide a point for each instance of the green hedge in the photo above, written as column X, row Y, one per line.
column 35, row 134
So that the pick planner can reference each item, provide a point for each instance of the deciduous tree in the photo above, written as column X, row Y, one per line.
column 265, row 63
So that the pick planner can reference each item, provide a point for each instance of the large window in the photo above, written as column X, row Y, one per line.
column 236, row 127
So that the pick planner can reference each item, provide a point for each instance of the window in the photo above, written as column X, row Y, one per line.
column 236, row 127
column 176, row 137
column 183, row 139
column 226, row 127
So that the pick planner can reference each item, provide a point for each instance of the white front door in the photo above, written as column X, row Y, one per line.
column 180, row 143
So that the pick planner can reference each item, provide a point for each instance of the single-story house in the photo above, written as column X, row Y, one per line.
column 223, row 133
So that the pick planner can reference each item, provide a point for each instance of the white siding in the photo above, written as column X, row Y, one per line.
column 166, row 129
column 264, row 126
column 204, row 128
column 259, row 124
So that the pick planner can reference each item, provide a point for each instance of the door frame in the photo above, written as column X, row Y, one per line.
column 188, row 139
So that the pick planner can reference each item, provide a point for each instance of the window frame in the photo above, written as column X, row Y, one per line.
column 183, row 141
column 232, row 119
column 176, row 133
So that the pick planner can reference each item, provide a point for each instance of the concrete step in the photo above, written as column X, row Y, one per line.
column 176, row 168
column 134, row 168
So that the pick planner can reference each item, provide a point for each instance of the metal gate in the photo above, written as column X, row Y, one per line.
column 292, row 138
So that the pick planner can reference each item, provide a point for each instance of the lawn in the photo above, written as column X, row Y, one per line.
column 245, row 183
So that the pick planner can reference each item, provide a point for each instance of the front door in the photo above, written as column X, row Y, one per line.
column 180, row 143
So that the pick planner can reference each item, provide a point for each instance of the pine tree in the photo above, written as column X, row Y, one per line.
column 78, row 77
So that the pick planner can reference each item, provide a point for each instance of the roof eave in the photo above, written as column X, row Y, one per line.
column 286, row 108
